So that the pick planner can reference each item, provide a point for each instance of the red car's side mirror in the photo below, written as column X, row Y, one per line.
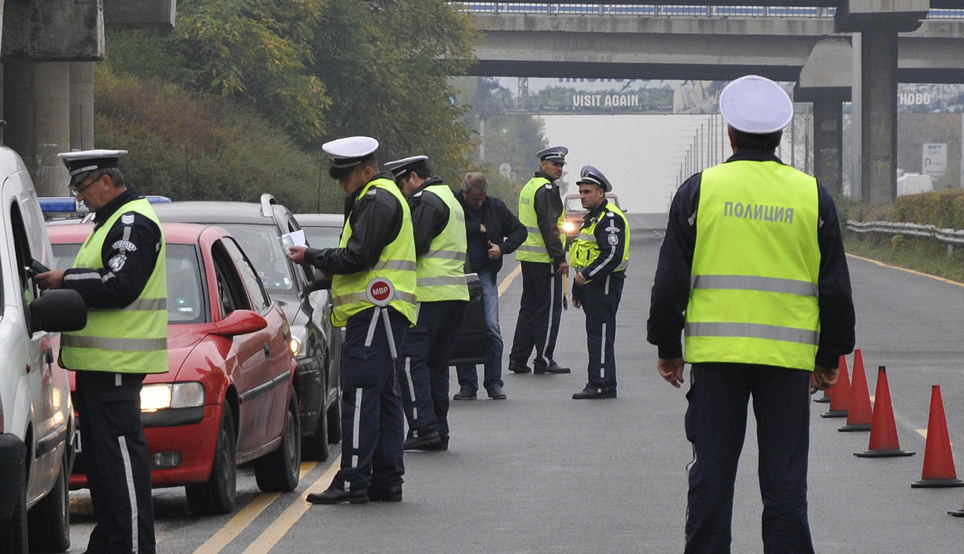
column 240, row 322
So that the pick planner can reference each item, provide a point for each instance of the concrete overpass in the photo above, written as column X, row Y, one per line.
column 867, row 46
column 47, row 85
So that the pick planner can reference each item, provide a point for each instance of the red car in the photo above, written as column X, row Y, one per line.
column 228, row 398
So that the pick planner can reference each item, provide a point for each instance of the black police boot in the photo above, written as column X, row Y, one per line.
column 424, row 441
column 465, row 393
column 552, row 368
column 391, row 493
column 516, row 366
column 592, row 393
column 335, row 495
column 496, row 393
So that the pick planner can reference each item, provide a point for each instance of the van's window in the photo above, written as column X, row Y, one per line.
column 24, row 258
column 323, row 237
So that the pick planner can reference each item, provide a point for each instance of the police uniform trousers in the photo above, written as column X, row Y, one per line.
column 540, row 310
column 117, row 463
column 372, row 421
column 600, row 301
column 424, row 366
column 716, row 425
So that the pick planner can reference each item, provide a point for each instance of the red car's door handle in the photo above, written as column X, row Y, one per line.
column 267, row 350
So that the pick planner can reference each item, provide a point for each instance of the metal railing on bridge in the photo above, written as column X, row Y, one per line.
column 664, row 10
column 950, row 237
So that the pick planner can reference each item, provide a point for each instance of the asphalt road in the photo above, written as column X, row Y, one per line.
column 541, row 472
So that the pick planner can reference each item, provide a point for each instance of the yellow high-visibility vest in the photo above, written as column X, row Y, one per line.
column 441, row 270
column 755, row 277
column 585, row 250
column 132, row 339
column 534, row 247
column 396, row 263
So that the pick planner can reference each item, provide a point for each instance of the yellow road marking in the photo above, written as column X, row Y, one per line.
column 237, row 524
column 242, row 519
column 504, row 285
column 911, row 271
column 277, row 530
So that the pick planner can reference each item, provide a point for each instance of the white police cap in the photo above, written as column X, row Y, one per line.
column 756, row 105
column 406, row 165
column 82, row 162
column 593, row 176
column 553, row 154
column 347, row 153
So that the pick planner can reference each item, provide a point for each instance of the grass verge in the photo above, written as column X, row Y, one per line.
column 920, row 254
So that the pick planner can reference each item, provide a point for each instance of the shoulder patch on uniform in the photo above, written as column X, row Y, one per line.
column 372, row 192
column 610, row 214
column 548, row 185
column 418, row 194
column 127, row 219
column 613, row 239
column 117, row 262
column 124, row 245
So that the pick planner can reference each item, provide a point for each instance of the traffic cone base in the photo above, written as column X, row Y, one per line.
column 937, row 483
column 958, row 513
column 849, row 428
column 834, row 413
column 822, row 399
column 883, row 453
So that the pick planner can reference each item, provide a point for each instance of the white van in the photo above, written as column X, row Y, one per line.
column 913, row 183
column 36, row 414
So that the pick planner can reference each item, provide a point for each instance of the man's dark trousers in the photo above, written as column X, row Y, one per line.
column 600, row 302
column 492, row 372
column 540, row 310
column 372, row 421
column 426, row 352
column 117, row 463
column 716, row 424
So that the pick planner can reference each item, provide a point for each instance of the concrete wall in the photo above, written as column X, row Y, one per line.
column 53, row 30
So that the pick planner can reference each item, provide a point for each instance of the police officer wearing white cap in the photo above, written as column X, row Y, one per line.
column 120, row 272
column 753, row 266
column 599, row 256
column 373, row 293
column 440, row 243
column 544, row 266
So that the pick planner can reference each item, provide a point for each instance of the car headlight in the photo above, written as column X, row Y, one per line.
column 162, row 396
column 568, row 226
column 298, row 335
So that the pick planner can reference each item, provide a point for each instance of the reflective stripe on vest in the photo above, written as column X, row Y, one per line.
column 584, row 249
column 441, row 270
column 754, row 284
column 395, row 263
column 534, row 248
column 132, row 339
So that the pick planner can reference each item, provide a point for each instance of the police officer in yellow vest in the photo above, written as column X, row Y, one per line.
column 753, row 266
column 599, row 256
column 121, row 273
column 376, row 245
column 544, row 266
column 440, row 243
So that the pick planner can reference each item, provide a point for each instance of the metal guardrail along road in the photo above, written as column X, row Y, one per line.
column 950, row 237
column 664, row 10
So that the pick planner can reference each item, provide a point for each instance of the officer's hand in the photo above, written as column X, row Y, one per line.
column 580, row 279
column 482, row 227
column 564, row 268
column 823, row 378
column 494, row 250
column 672, row 370
column 576, row 303
column 297, row 253
column 50, row 280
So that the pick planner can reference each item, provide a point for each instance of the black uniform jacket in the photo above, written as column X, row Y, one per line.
column 129, row 255
column 610, row 235
column 502, row 227
column 548, row 206
column 671, row 289
column 430, row 215
column 376, row 219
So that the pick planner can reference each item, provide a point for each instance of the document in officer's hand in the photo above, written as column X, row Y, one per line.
column 295, row 238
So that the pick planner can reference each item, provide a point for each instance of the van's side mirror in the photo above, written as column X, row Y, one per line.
column 58, row 311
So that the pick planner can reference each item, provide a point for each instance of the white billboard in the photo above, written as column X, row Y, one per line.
column 935, row 159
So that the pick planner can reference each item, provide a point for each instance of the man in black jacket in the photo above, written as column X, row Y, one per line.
column 492, row 233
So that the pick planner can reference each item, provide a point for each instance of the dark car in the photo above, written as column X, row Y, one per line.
column 258, row 228
column 324, row 231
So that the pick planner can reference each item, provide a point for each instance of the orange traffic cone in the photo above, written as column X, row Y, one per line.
column 883, row 431
column 839, row 393
column 859, row 414
column 957, row 513
column 938, row 459
column 825, row 398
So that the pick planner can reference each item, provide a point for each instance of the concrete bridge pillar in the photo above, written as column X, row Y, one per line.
column 879, row 22
column 81, row 105
column 36, row 103
column 828, row 143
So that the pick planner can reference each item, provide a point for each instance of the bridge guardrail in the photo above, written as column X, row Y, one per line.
column 663, row 10
column 950, row 237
